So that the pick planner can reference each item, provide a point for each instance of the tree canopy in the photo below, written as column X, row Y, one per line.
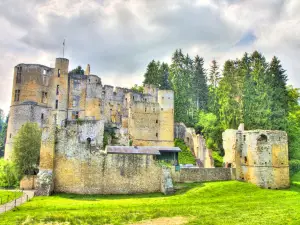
column 77, row 70
column 26, row 148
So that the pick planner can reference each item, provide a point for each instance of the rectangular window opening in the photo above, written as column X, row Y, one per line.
column 44, row 97
column 56, row 104
column 57, row 90
column 42, row 116
column 58, row 73
column 17, row 95
column 19, row 72
column 156, row 134
column 76, row 101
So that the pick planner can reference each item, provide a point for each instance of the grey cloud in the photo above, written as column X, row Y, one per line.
column 120, row 38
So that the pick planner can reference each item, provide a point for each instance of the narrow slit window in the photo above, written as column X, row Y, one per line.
column 57, row 90
column 58, row 73
column 19, row 73
column 42, row 116
column 56, row 104
column 17, row 95
column 44, row 97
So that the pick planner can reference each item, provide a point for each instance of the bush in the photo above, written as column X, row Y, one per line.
column 294, row 166
column 26, row 149
column 218, row 160
column 185, row 156
column 8, row 174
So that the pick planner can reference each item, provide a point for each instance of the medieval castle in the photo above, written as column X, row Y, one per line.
column 77, row 155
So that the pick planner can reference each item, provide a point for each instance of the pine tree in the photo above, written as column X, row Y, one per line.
column 199, row 84
column 152, row 75
column 214, row 75
column 164, row 73
column 180, row 83
column 277, row 81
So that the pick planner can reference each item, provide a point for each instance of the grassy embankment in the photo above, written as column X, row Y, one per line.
column 230, row 202
column 7, row 196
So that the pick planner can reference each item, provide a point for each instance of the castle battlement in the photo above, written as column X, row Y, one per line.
column 46, row 94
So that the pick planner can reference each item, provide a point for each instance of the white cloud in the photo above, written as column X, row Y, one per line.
column 119, row 37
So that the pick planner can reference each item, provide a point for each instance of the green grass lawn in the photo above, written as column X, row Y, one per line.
column 7, row 196
column 229, row 202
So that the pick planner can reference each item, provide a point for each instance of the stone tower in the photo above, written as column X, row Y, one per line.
column 166, row 117
column 29, row 102
column 259, row 156
column 59, row 91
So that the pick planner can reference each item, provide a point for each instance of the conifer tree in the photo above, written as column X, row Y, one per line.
column 277, row 80
column 199, row 84
column 164, row 73
column 152, row 75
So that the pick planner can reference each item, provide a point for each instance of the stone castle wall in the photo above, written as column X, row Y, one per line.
column 259, row 156
column 81, row 167
column 203, row 174
column 196, row 143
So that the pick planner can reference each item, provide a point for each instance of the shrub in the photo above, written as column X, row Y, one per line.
column 8, row 174
column 294, row 166
column 26, row 149
column 218, row 160
column 185, row 156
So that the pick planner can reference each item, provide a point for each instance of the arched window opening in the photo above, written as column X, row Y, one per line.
column 262, row 139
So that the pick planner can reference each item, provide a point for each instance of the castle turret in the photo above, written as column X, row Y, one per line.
column 87, row 70
column 59, row 91
column 29, row 102
column 166, row 117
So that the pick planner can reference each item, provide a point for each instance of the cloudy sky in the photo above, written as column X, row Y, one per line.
column 119, row 37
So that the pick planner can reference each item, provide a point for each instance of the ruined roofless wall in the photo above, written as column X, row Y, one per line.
column 259, row 156
column 196, row 143
column 83, row 169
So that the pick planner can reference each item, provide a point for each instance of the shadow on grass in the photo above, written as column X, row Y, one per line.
column 180, row 189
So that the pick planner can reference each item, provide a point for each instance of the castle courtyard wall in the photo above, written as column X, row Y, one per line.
column 203, row 174
column 82, row 167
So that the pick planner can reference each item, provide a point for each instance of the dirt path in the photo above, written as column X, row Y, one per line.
column 27, row 195
column 178, row 220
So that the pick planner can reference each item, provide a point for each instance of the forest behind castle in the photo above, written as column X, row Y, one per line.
column 249, row 90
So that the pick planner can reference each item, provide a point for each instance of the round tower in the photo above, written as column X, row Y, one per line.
column 166, row 117
column 59, row 91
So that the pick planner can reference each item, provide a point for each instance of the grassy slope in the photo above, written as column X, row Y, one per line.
column 8, row 196
column 230, row 202
column 296, row 179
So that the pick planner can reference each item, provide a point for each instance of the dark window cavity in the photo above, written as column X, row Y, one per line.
column 17, row 95
column 44, row 97
column 19, row 73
